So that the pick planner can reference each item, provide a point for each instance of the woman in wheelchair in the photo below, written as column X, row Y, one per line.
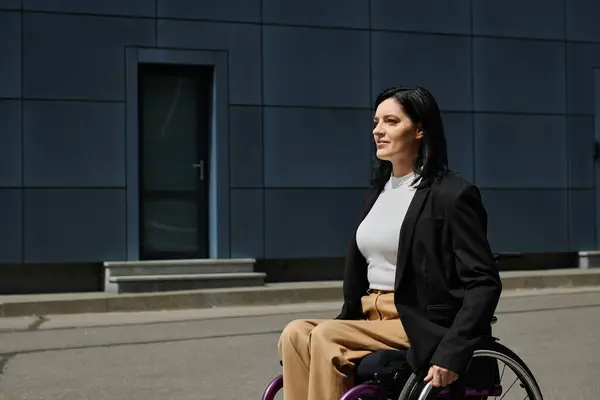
column 419, row 275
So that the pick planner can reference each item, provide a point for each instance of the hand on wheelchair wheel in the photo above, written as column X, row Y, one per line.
column 440, row 377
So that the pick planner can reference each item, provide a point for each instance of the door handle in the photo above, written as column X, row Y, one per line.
column 201, row 166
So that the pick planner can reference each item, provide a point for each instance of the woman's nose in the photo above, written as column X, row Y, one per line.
column 377, row 131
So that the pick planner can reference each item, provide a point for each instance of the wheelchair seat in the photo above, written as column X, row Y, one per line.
column 382, row 363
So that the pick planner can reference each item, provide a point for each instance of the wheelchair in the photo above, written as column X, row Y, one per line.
column 385, row 375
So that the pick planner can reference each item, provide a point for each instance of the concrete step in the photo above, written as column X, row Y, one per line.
column 168, row 275
column 589, row 259
column 180, row 267
column 172, row 282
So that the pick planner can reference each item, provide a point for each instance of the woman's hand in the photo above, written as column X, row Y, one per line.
column 441, row 377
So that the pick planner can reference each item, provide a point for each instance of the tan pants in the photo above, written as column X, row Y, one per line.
column 319, row 355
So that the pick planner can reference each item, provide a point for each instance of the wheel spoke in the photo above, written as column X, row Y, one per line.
column 501, row 376
column 513, row 384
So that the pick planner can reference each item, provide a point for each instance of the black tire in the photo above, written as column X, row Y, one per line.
column 415, row 387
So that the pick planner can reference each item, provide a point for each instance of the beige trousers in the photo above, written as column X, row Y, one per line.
column 319, row 355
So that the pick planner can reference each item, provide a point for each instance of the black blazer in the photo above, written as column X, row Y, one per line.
column 447, row 284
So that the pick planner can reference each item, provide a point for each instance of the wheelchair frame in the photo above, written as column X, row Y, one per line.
column 415, row 389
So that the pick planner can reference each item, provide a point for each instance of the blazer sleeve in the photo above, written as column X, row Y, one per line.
column 476, row 268
column 355, row 284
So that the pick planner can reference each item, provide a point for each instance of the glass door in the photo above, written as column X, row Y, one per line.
column 175, row 110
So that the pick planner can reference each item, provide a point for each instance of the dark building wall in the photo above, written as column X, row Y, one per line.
column 514, row 80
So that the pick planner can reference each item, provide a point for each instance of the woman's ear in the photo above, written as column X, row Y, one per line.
column 419, row 131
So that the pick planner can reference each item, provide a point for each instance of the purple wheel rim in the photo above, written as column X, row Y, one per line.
column 274, row 387
column 364, row 389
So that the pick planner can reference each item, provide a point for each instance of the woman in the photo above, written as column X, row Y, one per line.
column 420, row 273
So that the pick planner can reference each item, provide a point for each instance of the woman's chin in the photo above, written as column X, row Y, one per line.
column 383, row 155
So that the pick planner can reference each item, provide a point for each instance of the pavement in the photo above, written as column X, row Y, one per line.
column 230, row 352
column 270, row 294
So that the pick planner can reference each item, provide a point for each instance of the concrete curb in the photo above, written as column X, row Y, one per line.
column 207, row 298
column 270, row 294
column 561, row 278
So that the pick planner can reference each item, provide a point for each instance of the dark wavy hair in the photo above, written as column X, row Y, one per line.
column 431, row 160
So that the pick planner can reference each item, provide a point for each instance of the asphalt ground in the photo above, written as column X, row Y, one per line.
column 230, row 353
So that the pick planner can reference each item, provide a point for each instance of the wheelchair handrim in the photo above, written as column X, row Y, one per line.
column 513, row 362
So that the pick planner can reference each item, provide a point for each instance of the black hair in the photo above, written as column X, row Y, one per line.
column 431, row 160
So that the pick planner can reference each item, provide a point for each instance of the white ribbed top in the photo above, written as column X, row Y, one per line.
column 378, row 234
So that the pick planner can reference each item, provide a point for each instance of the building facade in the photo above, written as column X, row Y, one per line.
column 241, row 128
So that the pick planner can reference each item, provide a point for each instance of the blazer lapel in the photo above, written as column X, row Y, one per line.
column 407, row 232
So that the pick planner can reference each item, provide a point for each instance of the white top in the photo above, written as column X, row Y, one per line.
column 378, row 235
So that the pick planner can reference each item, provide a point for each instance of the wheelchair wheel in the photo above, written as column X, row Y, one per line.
column 494, row 371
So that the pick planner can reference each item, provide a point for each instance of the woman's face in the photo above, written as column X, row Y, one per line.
column 396, row 136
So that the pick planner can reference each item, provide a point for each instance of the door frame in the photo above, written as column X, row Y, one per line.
column 596, row 100
column 218, row 152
